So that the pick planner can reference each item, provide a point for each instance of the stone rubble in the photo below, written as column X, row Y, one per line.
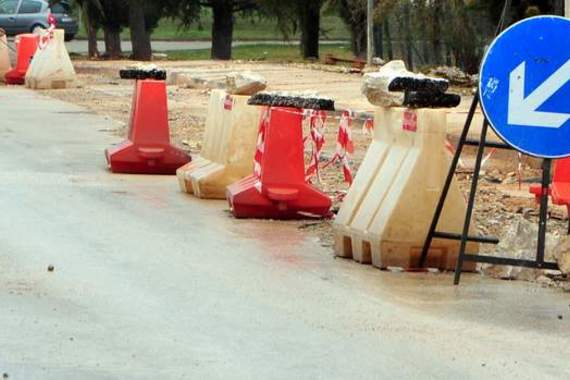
column 520, row 242
column 455, row 76
column 245, row 83
column 562, row 254
column 394, row 86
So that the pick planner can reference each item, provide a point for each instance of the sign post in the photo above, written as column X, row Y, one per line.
column 370, row 31
column 523, row 91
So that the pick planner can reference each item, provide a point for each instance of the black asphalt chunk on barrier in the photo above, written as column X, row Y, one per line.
column 274, row 100
column 418, row 99
column 139, row 74
column 431, row 85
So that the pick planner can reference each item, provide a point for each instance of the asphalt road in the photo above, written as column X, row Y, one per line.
column 149, row 283
column 80, row 46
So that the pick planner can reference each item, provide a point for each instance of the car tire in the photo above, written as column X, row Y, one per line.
column 37, row 29
column 69, row 37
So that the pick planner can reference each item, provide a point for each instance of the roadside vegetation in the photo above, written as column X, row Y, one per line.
column 422, row 33
column 265, row 53
column 247, row 28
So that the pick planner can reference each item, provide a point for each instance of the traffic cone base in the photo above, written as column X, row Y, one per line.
column 147, row 149
column 279, row 190
column 129, row 158
column 279, row 203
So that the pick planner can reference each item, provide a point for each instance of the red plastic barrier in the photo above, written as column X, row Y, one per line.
column 278, row 190
column 559, row 190
column 560, row 187
column 26, row 46
column 147, row 149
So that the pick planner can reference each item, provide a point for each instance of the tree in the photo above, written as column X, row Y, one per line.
column 310, row 25
column 115, row 15
column 297, row 15
column 140, row 37
column 108, row 15
column 90, row 9
column 353, row 13
column 187, row 11
column 141, row 16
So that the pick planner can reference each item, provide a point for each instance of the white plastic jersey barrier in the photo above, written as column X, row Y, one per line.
column 388, row 210
column 51, row 66
column 228, row 147
column 4, row 57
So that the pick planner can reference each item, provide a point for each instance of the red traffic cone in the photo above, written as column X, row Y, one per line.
column 26, row 46
column 147, row 149
column 278, row 188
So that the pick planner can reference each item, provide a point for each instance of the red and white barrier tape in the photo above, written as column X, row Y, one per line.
column 318, row 120
column 257, row 160
column 451, row 149
column 46, row 37
column 368, row 127
column 488, row 157
column 344, row 146
column 354, row 114
column 519, row 169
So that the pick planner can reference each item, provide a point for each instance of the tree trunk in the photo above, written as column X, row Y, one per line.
column 358, row 34
column 222, row 29
column 310, row 22
column 92, row 49
column 448, row 57
column 140, row 38
column 436, row 32
column 378, row 41
column 388, row 37
column 362, row 41
column 408, row 38
column 421, row 16
column 112, row 37
column 558, row 7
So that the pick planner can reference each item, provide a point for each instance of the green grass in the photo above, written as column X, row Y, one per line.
column 246, row 28
column 269, row 53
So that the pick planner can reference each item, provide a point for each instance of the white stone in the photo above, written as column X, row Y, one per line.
column 375, row 85
column 520, row 242
column 562, row 254
column 245, row 83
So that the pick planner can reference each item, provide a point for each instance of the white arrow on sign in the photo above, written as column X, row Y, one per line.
column 523, row 111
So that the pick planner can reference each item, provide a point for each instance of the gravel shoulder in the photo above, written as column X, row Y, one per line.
column 501, row 198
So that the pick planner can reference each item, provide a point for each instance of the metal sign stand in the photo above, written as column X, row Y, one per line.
column 464, row 237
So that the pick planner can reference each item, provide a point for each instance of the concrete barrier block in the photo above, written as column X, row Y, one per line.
column 371, row 165
column 228, row 147
column 51, row 67
column 389, row 225
column 4, row 56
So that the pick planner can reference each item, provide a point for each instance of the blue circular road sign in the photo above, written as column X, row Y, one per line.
column 524, row 86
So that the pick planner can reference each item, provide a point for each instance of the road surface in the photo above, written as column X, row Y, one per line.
column 149, row 283
column 80, row 46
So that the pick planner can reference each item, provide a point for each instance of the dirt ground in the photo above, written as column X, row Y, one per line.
column 503, row 193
